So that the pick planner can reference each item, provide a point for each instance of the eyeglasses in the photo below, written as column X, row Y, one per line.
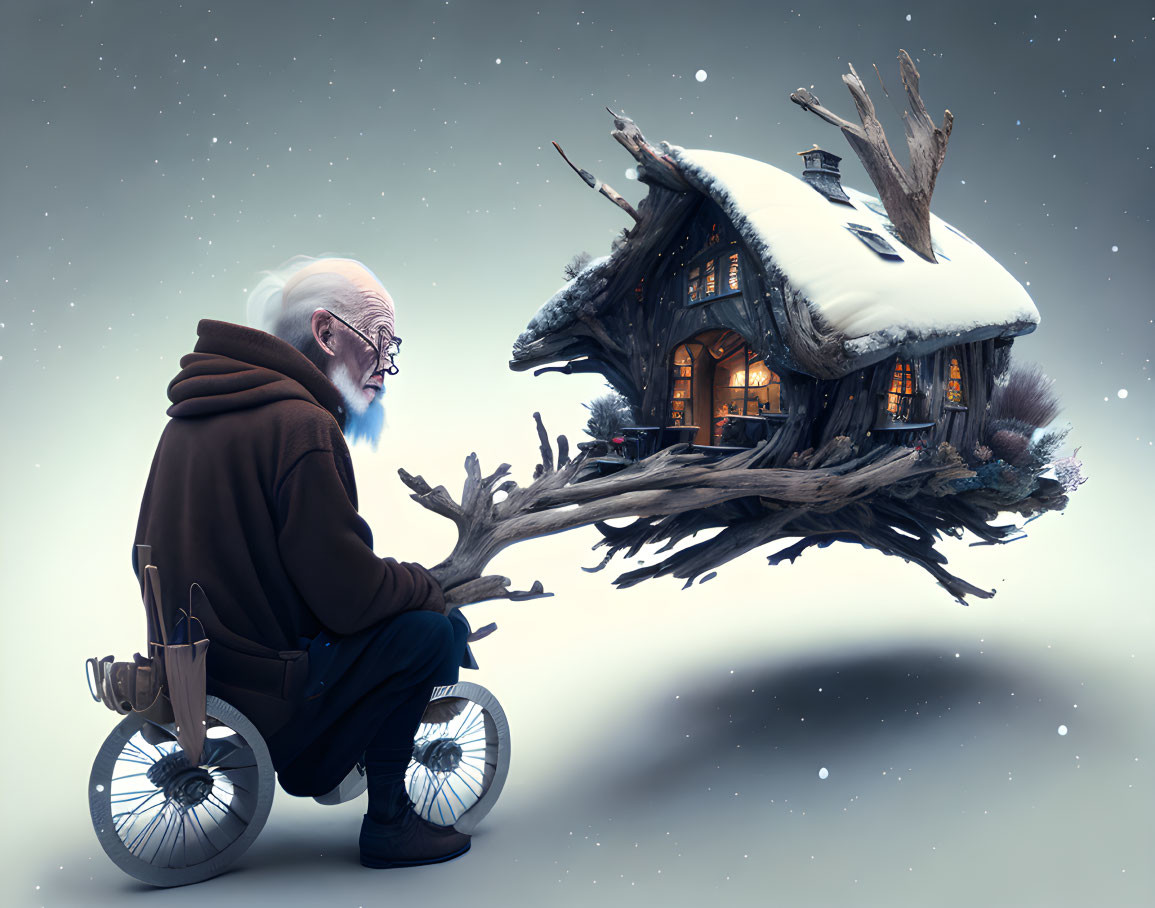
column 385, row 352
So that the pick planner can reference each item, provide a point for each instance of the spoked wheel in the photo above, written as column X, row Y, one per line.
column 167, row 822
column 459, row 765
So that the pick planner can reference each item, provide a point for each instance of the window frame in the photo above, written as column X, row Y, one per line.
column 674, row 416
column 721, row 254
column 702, row 410
column 910, row 374
column 954, row 356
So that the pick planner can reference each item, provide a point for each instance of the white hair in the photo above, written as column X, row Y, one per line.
column 290, row 319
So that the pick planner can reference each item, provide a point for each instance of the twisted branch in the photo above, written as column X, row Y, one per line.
column 675, row 493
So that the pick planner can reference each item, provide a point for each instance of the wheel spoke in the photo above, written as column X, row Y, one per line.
column 203, row 832
column 441, row 784
column 147, row 832
column 466, row 780
column 139, row 751
column 161, row 754
column 467, row 727
column 176, row 837
column 453, row 791
column 424, row 783
column 130, row 795
column 132, row 758
column 429, row 792
column 470, row 741
column 228, row 811
column 171, row 815
column 138, row 807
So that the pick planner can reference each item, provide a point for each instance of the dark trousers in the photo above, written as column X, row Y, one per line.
column 369, row 686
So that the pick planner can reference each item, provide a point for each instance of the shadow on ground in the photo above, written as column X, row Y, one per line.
column 781, row 717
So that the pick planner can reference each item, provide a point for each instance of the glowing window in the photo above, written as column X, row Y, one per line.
column 682, row 397
column 720, row 275
column 743, row 384
column 900, row 397
column 954, row 383
column 716, row 376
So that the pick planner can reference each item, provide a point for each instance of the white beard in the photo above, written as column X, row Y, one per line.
column 363, row 419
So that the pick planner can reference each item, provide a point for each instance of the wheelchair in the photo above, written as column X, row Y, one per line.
column 172, row 807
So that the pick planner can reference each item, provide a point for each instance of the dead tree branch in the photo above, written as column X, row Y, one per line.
column 604, row 188
column 676, row 492
column 654, row 166
column 905, row 194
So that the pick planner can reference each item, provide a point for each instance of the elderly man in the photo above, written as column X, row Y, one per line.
column 331, row 651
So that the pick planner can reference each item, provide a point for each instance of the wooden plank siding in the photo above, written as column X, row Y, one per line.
column 632, row 326
column 819, row 410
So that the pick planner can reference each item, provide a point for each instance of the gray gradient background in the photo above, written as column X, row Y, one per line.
column 666, row 743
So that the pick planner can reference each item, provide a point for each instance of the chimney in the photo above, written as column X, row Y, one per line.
column 821, row 172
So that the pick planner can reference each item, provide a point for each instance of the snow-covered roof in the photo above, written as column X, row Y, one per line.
column 873, row 302
column 563, row 307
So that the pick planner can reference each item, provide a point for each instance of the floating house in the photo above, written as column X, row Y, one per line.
column 748, row 304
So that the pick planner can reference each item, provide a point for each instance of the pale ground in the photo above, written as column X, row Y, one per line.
column 666, row 744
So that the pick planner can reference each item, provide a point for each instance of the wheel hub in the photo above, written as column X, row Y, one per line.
column 440, row 754
column 183, row 783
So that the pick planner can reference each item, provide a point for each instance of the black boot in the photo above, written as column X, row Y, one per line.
column 409, row 841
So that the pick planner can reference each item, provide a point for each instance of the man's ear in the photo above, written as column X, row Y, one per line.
column 321, row 324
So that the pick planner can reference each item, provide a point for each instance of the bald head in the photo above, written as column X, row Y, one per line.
column 344, row 286
column 335, row 272
column 286, row 299
column 338, row 314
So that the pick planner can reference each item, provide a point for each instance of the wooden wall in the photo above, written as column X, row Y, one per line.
column 629, row 328
column 819, row 409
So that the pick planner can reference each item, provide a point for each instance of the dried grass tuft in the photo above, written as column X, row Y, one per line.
column 1027, row 397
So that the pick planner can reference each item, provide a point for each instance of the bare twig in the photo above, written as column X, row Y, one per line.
column 604, row 188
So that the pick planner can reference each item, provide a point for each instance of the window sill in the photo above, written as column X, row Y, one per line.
column 956, row 408
column 901, row 426
column 713, row 299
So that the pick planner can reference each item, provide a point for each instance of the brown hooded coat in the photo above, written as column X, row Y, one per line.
column 251, row 495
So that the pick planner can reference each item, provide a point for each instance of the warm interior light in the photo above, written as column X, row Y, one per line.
column 759, row 378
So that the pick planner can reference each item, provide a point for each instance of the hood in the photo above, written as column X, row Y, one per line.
column 233, row 367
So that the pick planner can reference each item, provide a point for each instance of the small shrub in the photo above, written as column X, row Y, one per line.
column 1012, row 447
column 576, row 264
column 1017, row 445
column 608, row 414
column 1045, row 447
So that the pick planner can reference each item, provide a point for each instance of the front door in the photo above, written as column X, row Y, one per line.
column 715, row 375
